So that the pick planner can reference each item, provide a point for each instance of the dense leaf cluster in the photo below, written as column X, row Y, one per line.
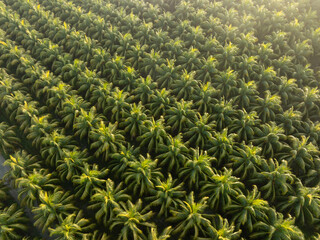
column 160, row 119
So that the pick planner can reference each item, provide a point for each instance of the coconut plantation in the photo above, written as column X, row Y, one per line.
column 159, row 119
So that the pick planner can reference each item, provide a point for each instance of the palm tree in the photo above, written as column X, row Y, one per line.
column 144, row 90
column 270, row 138
column 201, row 131
column 21, row 164
column 221, row 146
column 247, row 161
column 268, row 107
column 8, row 139
column 53, row 145
column 86, row 122
column 197, row 169
column 224, row 231
column 247, row 93
column 290, row 121
column 173, row 154
column 105, row 200
column 221, row 188
column 167, row 194
column 32, row 184
column 205, row 99
column 71, row 163
column 277, row 180
column 224, row 113
column 154, row 134
column 167, row 74
column 299, row 154
column 180, row 116
column 73, row 227
column 153, row 234
column 131, row 218
column 186, row 86
column 90, row 179
column 120, row 160
column 53, row 206
column 100, row 95
column 245, row 126
column 275, row 226
column 106, row 140
column 160, row 102
column 117, row 105
column 248, row 210
column 12, row 223
column 141, row 175
column 309, row 104
column 191, row 219
column 304, row 204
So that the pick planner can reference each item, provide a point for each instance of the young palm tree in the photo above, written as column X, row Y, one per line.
column 153, row 234
column 105, row 200
column 167, row 194
column 117, row 105
column 12, row 223
column 268, row 107
column 186, row 86
column 205, row 100
column 191, row 219
column 131, row 219
column 160, row 102
column 223, row 230
column 221, row 188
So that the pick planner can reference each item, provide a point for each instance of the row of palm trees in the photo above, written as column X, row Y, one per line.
column 212, row 139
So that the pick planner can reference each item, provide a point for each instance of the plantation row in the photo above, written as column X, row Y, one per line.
column 160, row 119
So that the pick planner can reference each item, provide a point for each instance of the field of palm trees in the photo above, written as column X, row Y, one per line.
column 160, row 119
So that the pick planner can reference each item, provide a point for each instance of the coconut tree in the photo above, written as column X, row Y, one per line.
column 141, row 175
column 197, row 169
column 191, row 219
column 221, row 188
column 105, row 200
column 71, row 163
column 120, row 161
column 245, row 126
column 166, row 195
column 12, row 223
column 131, row 218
